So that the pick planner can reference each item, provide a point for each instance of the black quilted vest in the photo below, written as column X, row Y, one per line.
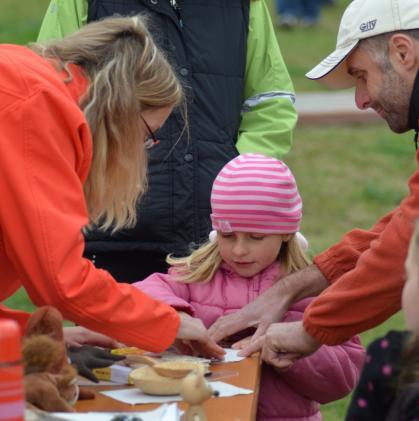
column 206, row 43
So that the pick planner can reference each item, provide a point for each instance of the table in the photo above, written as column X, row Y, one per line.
column 245, row 373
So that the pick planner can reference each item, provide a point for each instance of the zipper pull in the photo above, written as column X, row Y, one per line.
column 176, row 8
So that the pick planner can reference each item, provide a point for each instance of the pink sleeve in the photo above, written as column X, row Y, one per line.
column 162, row 287
column 328, row 374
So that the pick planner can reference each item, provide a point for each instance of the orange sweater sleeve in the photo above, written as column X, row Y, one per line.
column 44, row 152
column 366, row 270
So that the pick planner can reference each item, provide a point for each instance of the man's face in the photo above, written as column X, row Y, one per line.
column 386, row 92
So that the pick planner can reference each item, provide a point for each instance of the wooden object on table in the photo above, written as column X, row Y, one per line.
column 164, row 378
column 245, row 373
column 194, row 390
column 176, row 369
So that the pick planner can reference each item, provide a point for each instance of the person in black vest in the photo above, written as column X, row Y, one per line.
column 240, row 99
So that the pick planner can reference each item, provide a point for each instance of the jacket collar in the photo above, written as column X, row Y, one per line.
column 272, row 271
column 414, row 110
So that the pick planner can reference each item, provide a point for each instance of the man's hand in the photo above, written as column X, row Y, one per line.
column 85, row 358
column 193, row 335
column 283, row 343
column 266, row 309
column 78, row 336
column 271, row 306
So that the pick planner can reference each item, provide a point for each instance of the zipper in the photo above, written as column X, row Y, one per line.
column 176, row 8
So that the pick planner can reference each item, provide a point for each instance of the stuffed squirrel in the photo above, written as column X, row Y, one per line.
column 50, row 381
column 195, row 390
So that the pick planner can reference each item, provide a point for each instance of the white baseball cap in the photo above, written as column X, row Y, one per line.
column 363, row 19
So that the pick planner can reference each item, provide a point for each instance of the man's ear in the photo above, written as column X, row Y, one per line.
column 403, row 53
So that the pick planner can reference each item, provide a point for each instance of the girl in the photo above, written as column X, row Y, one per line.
column 389, row 385
column 256, row 215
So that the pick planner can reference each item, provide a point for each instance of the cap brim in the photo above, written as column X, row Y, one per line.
column 333, row 71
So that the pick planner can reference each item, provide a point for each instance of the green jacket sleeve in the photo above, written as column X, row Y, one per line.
column 62, row 18
column 268, row 115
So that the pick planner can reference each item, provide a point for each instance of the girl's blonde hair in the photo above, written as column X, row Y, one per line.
column 201, row 264
column 128, row 74
column 409, row 374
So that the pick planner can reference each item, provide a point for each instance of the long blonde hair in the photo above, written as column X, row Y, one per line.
column 201, row 264
column 128, row 74
column 409, row 373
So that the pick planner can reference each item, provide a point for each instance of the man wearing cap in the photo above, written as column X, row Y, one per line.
column 363, row 275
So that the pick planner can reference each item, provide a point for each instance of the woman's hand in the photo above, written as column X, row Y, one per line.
column 78, row 336
column 193, row 338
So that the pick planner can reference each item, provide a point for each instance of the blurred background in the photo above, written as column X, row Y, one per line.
column 349, row 173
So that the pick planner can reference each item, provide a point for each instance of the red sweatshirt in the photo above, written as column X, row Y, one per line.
column 45, row 156
column 367, row 274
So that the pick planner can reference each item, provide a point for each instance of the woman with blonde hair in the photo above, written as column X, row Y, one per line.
column 76, row 118
column 256, row 215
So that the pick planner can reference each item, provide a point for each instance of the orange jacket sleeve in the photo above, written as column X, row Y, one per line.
column 21, row 317
column 45, row 153
column 367, row 273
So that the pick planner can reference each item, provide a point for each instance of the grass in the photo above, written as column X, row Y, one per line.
column 301, row 55
column 348, row 176
column 20, row 20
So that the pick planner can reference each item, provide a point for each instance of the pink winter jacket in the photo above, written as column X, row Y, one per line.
column 296, row 394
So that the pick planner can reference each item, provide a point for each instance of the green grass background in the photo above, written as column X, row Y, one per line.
column 348, row 175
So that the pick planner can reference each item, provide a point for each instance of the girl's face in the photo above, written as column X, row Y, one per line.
column 410, row 295
column 250, row 253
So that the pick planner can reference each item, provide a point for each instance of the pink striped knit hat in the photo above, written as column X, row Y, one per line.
column 255, row 193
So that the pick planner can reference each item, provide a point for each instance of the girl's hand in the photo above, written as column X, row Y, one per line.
column 194, row 336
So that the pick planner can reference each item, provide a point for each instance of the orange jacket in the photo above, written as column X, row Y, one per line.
column 366, row 270
column 45, row 156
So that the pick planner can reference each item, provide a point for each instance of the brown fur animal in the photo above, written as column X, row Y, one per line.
column 50, row 381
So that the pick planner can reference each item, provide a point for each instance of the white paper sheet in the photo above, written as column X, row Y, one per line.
column 230, row 356
column 162, row 413
column 134, row 396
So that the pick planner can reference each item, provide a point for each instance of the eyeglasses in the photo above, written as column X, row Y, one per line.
column 151, row 141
